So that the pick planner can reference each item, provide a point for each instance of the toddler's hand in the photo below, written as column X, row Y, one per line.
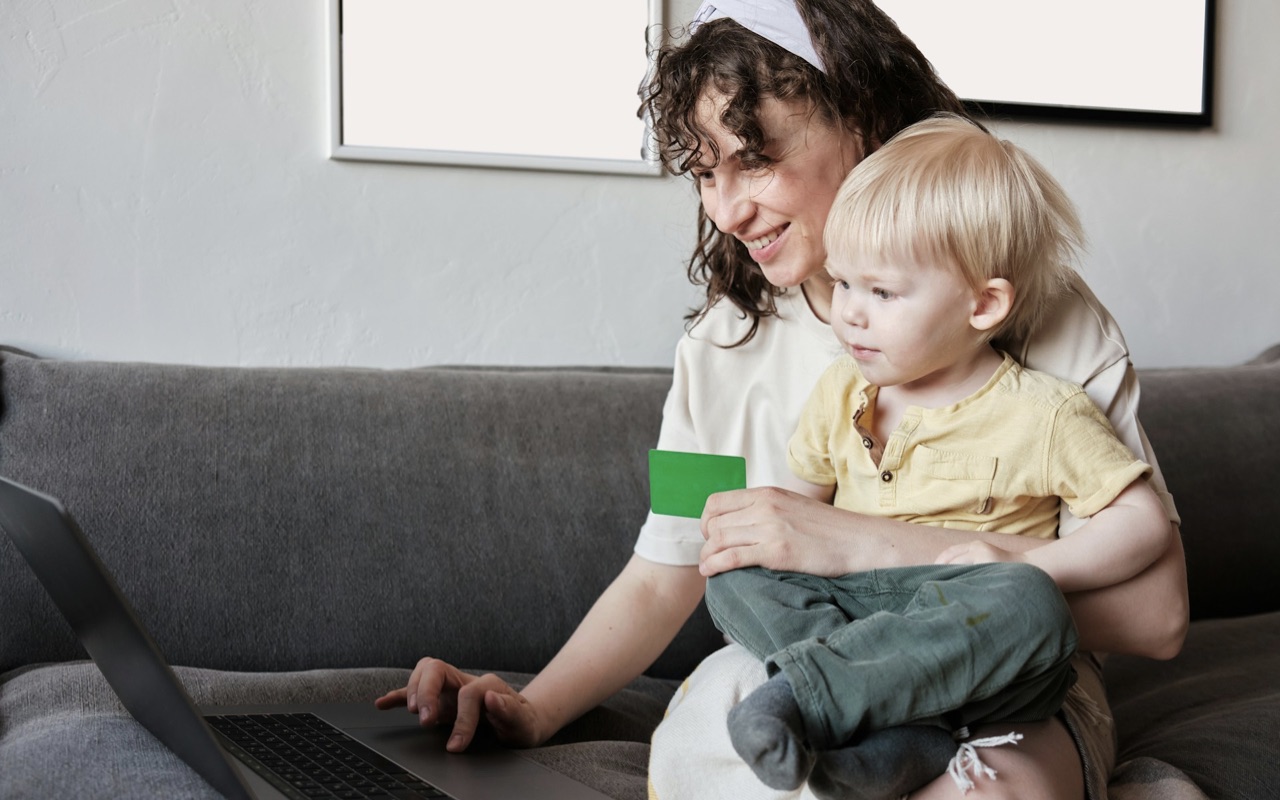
column 977, row 552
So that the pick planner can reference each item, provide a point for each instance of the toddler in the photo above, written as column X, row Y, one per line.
column 938, row 244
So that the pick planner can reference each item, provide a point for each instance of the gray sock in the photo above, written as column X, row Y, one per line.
column 768, row 732
column 883, row 765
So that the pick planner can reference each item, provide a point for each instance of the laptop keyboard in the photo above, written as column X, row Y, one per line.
column 306, row 758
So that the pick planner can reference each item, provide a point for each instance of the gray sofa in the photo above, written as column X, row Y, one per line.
column 295, row 534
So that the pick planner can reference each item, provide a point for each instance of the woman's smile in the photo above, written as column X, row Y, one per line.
column 777, row 209
column 761, row 248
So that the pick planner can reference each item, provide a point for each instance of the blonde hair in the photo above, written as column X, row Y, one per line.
column 946, row 190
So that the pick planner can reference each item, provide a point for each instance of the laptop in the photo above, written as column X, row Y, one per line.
column 325, row 750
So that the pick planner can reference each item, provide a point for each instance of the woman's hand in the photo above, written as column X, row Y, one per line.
column 788, row 531
column 440, row 694
column 778, row 529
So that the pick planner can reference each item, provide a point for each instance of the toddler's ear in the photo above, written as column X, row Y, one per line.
column 992, row 304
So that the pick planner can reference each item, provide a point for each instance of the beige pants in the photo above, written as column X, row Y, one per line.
column 693, row 759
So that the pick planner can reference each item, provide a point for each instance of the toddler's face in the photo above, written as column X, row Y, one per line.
column 905, row 323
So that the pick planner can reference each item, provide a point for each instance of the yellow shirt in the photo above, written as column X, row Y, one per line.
column 999, row 460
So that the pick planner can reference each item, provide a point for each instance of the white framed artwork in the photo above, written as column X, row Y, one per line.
column 500, row 83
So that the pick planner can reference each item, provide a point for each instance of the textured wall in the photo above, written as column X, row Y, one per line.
column 165, row 195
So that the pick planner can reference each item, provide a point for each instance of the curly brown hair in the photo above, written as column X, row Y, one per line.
column 876, row 83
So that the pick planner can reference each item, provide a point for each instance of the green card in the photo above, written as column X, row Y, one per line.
column 680, row 483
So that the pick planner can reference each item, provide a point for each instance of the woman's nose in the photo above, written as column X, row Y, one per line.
column 733, row 206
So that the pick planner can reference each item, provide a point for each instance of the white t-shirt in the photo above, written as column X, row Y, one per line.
column 746, row 400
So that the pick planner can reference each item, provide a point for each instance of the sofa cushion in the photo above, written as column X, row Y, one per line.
column 1212, row 712
column 60, row 714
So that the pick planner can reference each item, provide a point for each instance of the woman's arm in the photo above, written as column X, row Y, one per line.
column 1146, row 615
column 785, row 530
column 612, row 645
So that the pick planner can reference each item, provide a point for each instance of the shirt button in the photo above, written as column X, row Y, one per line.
column 886, row 476
column 866, row 442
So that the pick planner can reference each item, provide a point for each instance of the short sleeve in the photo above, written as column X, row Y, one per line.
column 1115, row 390
column 665, row 539
column 1088, row 466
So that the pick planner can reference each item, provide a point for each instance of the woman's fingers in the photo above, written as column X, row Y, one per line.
column 405, row 695
column 726, row 502
column 512, row 717
column 430, row 692
column 432, row 681
column 471, row 704
column 764, row 527
column 713, row 560
column 441, row 693
column 738, row 517
column 393, row 698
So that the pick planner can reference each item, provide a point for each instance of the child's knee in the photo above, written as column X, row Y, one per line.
column 729, row 593
column 1039, row 588
column 1041, row 601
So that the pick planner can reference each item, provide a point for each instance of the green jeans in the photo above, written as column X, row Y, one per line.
column 946, row 645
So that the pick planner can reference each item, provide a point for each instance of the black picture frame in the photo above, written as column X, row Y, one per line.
column 996, row 108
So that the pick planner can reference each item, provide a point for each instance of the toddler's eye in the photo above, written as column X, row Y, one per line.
column 882, row 294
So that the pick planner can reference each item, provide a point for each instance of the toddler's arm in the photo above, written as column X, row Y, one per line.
column 819, row 492
column 1118, row 542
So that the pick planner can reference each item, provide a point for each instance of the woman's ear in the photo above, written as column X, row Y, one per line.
column 992, row 305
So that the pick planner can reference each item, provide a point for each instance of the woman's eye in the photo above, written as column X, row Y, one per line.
column 755, row 164
column 704, row 178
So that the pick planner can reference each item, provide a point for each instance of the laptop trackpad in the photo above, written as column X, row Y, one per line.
column 481, row 772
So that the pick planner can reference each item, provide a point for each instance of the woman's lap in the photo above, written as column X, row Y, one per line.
column 1048, row 762
column 691, row 756
column 1044, row 764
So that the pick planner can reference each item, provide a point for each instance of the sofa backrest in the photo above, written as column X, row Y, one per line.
column 295, row 518
column 1216, row 434
column 275, row 519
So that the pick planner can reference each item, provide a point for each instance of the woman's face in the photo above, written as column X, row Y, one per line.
column 777, row 211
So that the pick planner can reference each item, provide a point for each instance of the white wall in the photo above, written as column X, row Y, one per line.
column 165, row 195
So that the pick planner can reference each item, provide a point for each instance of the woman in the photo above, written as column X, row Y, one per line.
column 769, row 134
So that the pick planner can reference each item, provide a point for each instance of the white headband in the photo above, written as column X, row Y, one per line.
column 777, row 21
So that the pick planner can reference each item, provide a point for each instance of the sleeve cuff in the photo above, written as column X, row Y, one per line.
column 676, row 541
column 1111, row 490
